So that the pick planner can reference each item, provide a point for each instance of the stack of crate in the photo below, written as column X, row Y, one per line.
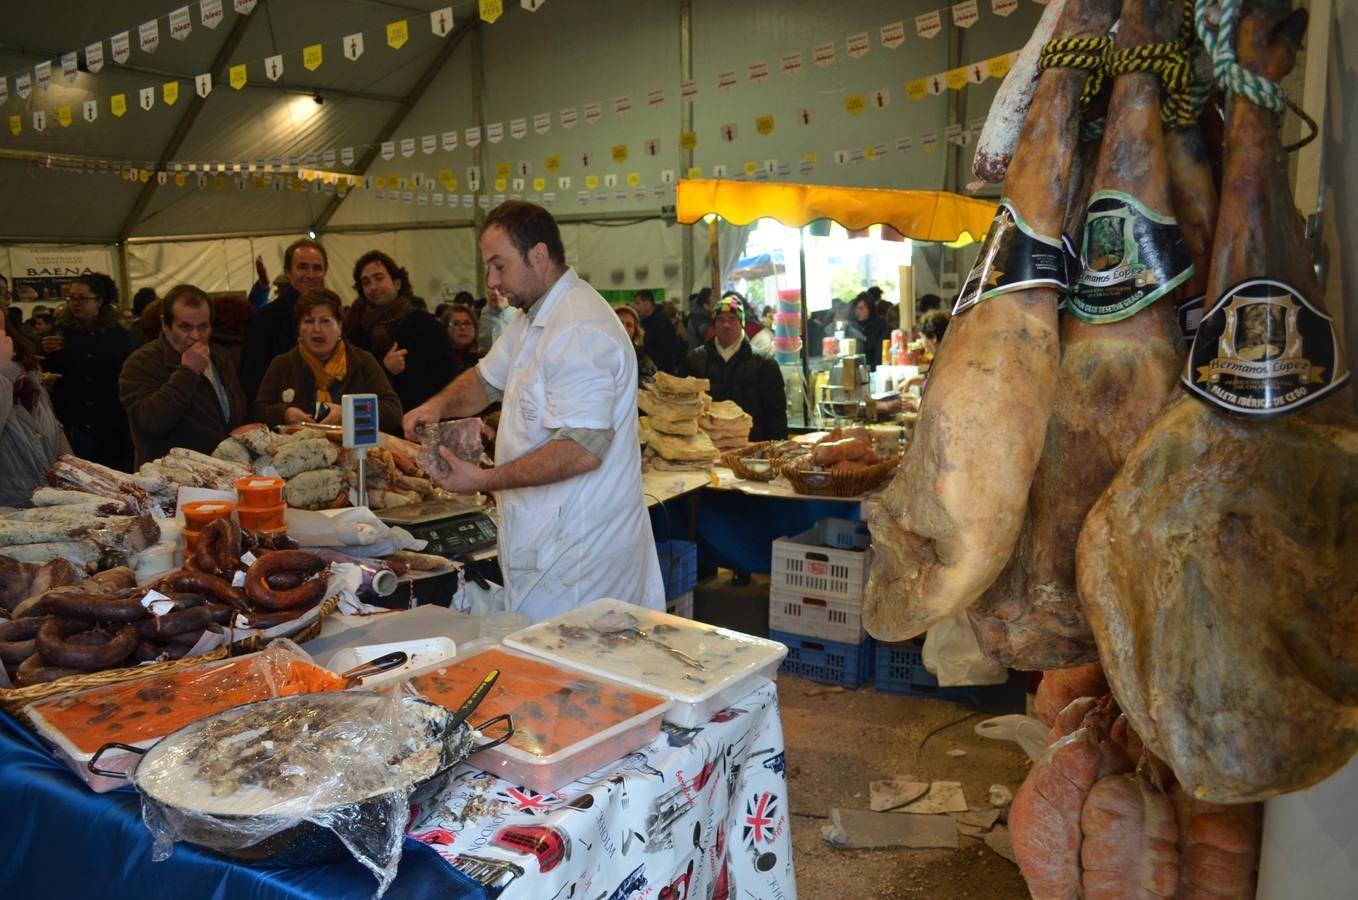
column 679, row 570
column 815, row 600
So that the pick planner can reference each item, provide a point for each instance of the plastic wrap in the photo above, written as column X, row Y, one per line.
column 953, row 656
column 378, row 578
column 267, row 779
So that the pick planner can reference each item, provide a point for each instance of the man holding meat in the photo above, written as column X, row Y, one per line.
column 567, row 477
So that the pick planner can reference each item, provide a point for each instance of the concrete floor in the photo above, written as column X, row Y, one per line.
column 839, row 742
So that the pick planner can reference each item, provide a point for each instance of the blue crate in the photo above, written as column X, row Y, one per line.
column 678, row 566
column 900, row 670
column 829, row 662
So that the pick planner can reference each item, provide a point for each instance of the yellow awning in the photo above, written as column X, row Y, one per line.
column 919, row 215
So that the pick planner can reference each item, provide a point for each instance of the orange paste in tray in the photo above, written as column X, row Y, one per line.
column 553, row 708
column 151, row 708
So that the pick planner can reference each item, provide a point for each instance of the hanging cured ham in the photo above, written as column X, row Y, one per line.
column 948, row 522
column 1219, row 570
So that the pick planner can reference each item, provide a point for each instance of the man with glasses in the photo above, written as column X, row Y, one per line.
column 412, row 345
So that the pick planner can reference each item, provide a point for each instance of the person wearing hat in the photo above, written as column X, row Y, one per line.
column 737, row 373
column 631, row 321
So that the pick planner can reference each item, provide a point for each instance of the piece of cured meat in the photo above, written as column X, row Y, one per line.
column 1129, row 849
column 461, row 436
column 1218, row 848
column 948, row 522
column 1219, row 569
column 1060, row 686
column 1121, row 354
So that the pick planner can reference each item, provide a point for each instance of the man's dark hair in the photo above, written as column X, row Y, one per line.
column 141, row 299
column 528, row 225
column 704, row 297
column 394, row 272
column 934, row 323
column 928, row 302
column 645, row 294
column 466, row 298
column 101, row 286
column 185, row 294
column 304, row 242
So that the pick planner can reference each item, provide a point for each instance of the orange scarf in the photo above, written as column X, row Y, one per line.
column 325, row 373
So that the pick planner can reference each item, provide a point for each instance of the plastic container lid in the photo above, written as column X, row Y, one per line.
column 200, row 512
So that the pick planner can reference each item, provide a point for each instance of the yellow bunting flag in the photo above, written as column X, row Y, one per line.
column 237, row 76
column 179, row 179
column 397, row 34
column 118, row 104
column 620, row 153
column 539, row 184
column 170, row 91
column 633, row 179
column 957, row 78
column 445, row 177
column 917, row 89
column 854, row 104
column 312, row 57
column 491, row 10
column 764, row 124
column 870, row 153
column 751, row 166
column 998, row 66
column 502, row 170
column 695, row 172
column 810, row 159
column 380, row 183
column 688, row 139
column 553, row 164
column 64, row 116
column 219, row 182
column 144, row 175
column 591, row 181
column 16, row 125
column 501, row 184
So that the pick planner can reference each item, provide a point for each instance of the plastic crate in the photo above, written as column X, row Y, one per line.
column 808, row 566
column 681, row 605
column 832, row 620
column 900, row 670
column 829, row 662
column 678, row 567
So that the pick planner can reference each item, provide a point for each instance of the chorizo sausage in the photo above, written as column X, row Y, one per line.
column 149, row 652
column 35, row 671
column 285, row 581
column 204, row 583
column 12, row 652
column 218, row 548
column 307, row 594
column 278, row 617
column 20, row 629
column 117, row 579
column 56, row 650
column 119, row 606
column 183, row 621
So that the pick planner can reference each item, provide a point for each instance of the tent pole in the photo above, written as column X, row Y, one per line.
column 478, row 155
column 686, row 124
column 806, row 351
column 714, row 255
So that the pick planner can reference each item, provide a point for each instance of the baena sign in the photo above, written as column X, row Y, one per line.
column 41, row 274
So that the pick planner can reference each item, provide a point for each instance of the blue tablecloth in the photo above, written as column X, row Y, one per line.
column 65, row 841
column 737, row 530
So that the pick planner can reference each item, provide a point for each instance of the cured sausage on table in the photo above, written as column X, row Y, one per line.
column 948, row 522
column 1129, row 849
column 1121, row 353
column 1218, row 569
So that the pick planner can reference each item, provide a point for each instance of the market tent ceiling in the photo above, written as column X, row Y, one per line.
column 919, row 215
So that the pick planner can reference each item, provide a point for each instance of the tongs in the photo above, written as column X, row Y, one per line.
column 373, row 666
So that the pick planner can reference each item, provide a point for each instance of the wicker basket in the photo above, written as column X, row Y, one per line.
column 14, row 700
column 731, row 459
column 839, row 484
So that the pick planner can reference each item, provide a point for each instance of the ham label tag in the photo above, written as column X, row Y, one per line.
column 1190, row 314
column 1264, row 351
column 1013, row 258
column 1131, row 257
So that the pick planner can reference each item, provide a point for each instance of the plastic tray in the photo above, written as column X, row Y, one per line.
column 807, row 565
column 829, row 662
column 833, row 620
column 733, row 662
column 566, row 724
column 424, row 653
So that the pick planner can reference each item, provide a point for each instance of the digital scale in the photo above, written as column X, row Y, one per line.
column 453, row 530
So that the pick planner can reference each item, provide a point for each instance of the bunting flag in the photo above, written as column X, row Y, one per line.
column 70, row 66
column 490, row 10
column 759, row 72
column 202, row 84
column 312, row 57
column 353, row 46
column 147, row 97
column 399, row 32
column 764, row 124
column 40, row 120
column 23, row 85
column 91, row 110
column 893, row 35
column 210, row 13
column 542, row 123
column 169, row 92
column 929, row 24
column 441, row 21
column 117, row 104
column 236, row 76
column 858, row 45
column 245, row 7
column 824, row 55
column 42, row 74
column 532, row 5
column 94, row 56
column 964, row 14
column 16, row 125
column 148, row 36
column 1003, row 7
column 854, row 104
column 122, row 47
column 792, row 63
column 273, row 67
column 181, row 23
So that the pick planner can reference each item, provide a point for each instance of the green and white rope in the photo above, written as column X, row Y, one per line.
column 1230, row 75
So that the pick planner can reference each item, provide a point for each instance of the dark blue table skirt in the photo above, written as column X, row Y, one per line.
column 65, row 841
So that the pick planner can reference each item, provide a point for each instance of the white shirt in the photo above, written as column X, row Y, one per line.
column 565, row 544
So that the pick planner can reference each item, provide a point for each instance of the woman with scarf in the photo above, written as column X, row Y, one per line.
column 30, row 435
column 305, row 385
column 87, row 348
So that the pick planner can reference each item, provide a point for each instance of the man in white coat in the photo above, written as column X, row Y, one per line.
column 567, row 475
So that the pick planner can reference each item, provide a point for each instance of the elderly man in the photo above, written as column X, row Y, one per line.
column 413, row 346
column 271, row 330
column 179, row 391
column 567, row 477
column 737, row 373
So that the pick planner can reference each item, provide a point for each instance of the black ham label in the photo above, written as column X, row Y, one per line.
column 1264, row 351
column 1013, row 258
column 1131, row 257
column 1190, row 314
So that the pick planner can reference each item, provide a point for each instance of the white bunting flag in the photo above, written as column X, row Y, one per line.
column 824, row 54
column 122, row 47
column 592, row 113
column 448, row 141
column 729, row 132
column 388, row 150
column 518, row 129
column 905, row 144
column 622, row 106
column 759, row 72
column 1003, row 7
column 328, row 159
column 42, row 74
column 974, row 127
column 611, row 180
column 532, row 5
column 976, row 73
column 893, row 35
column 210, row 13
column 202, row 84
column 70, row 66
column 428, row 144
column 148, row 97
column 273, row 67
column 181, row 23
column 792, row 63
column 148, row 36
column 472, row 136
column 726, row 80
column 954, row 134
column 353, row 46
column 964, row 14
column 4, row 88
column 347, row 155
column 880, row 98
column 652, row 146
column 929, row 24
column 441, row 21
column 805, row 115
column 655, row 99
column 569, row 117
column 23, row 85
column 473, row 179
column 245, row 7
column 542, row 123
column 857, row 45
column 563, row 183
column 936, row 83
column 40, row 120
column 719, row 171
column 407, row 147
column 495, row 132
column 91, row 109
column 688, row 90
column 94, row 56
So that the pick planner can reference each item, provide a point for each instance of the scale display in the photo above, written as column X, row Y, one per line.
column 453, row 538
column 360, row 419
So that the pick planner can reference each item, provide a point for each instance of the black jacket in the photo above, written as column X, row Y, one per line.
column 271, row 331
column 86, row 396
column 874, row 332
column 429, row 364
column 662, row 343
column 753, row 382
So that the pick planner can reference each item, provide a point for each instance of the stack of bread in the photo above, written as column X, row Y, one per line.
column 726, row 424
column 669, row 426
